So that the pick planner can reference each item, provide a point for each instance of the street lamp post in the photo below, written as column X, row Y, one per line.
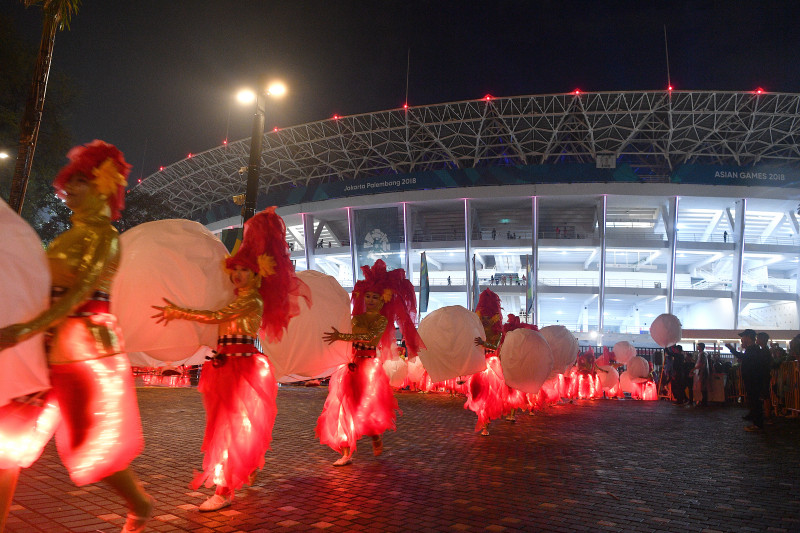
column 275, row 90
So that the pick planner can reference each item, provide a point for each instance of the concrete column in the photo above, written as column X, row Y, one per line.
column 308, row 240
column 672, row 234
column 601, row 224
column 738, row 260
column 535, row 258
column 352, row 235
column 467, row 248
column 407, row 236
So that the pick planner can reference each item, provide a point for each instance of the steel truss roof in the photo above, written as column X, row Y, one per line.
column 651, row 131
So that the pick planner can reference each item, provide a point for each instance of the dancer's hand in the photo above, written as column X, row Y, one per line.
column 332, row 336
column 479, row 342
column 163, row 314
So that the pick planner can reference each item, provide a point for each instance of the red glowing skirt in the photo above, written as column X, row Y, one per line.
column 101, row 432
column 25, row 428
column 239, row 397
column 486, row 393
column 360, row 402
column 515, row 399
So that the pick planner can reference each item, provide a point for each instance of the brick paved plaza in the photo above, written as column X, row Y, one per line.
column 590, row 466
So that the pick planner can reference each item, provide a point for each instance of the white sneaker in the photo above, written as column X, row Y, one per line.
column 215, row 503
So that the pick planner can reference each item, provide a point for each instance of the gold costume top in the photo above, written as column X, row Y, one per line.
column 492, row 341
column 368, row 329
column 83, row 261
column 240, row 317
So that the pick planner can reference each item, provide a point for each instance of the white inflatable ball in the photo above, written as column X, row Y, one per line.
column 450, row 351
column 181, row 261
column 609, row 377
column 415, row 370
column 563, row 345
column 624, row 351
column 666, row 330
column 631, row 384
column 301, row 351
column 24, row 293
column 397, row 371
column 526, row 360
column 638, row 367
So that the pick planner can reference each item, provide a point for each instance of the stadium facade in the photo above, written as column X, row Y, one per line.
column 615, row 207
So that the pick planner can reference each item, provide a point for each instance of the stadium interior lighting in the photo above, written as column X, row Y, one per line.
column 3, row 155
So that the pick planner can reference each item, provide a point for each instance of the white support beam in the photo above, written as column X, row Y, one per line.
column 646, row 261
column 297, row 237
column 795, row 225
column 590, row 259
column 712, row 225
column 730, row 218
column 703, row 262
column 433, row 262
column 772, row 226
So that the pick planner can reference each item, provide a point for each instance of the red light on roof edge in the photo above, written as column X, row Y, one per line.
column 189, row 156
column 669, row 88
column 577, row 92
column 160, row 169
column 759, row 91
column 488, row 97
column 275, row 128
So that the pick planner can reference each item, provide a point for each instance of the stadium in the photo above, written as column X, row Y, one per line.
column 614, row 206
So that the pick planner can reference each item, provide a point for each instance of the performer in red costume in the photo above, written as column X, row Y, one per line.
column 360, row 400
column 239, row 385
column 486, row 390
column 515, row 399
column 100, row 433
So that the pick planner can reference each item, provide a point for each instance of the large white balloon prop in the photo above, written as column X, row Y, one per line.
column 666, row 330
column 397, row 370
column 637, row 372
column 624, row 351
column 564, row 346
column 141, row 359
column 449, row 335
column 609, row 377
column 24, row 293
column 181, row 261
column 638, row 367
column 415, row 370
column 302, row 351
column 526, row 359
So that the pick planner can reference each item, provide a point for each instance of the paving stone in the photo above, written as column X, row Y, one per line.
column 586, row 466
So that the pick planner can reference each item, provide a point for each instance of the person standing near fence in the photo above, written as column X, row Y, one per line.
column 703, row 372
column 752, row 378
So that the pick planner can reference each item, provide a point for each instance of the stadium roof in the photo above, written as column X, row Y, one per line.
column 653, row 132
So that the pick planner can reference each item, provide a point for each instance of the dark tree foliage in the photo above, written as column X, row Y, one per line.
column 47, row 214
column 142, row 207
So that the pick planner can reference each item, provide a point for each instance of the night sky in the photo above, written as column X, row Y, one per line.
column 157, row 78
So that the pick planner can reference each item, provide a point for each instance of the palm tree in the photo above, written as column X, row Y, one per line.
column 56, row 15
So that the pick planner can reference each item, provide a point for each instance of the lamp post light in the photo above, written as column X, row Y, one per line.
column 273, row 90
